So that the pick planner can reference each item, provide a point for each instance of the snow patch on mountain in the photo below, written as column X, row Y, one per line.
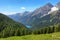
column 53, row 9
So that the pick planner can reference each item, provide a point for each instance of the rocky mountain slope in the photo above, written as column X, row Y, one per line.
column 46, row 15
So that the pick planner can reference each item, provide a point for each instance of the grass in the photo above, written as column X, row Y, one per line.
column 53, row 36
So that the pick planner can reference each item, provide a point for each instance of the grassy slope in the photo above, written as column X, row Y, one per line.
column 53, row 36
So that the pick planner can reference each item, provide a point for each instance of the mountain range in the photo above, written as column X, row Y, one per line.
column 46, row 15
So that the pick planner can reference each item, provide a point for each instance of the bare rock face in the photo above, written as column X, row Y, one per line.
column 42, row 10
column 39, row 12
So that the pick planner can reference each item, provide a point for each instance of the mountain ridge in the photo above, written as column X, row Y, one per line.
column 35, row 16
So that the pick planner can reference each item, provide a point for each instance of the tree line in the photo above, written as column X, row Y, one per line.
column 11, row 31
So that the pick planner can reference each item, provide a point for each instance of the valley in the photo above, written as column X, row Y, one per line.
column 47, row 15
column 29, row 20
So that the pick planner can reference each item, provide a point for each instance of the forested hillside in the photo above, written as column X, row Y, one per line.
column 8, row 27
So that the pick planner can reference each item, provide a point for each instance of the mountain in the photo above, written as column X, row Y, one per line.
column 8, row 27
column 49, row 20
column 39, row 12
column 26, row 13
column 26, row 17
column 44, row 16
column 42, row 10
column 16, row 17
column 19, row 16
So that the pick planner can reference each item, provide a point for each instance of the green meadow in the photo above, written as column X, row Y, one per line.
column 52, row 36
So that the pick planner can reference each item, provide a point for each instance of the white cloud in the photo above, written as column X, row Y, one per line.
column 23, row 8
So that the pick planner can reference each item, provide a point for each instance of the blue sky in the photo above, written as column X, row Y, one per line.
column 16, row 6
